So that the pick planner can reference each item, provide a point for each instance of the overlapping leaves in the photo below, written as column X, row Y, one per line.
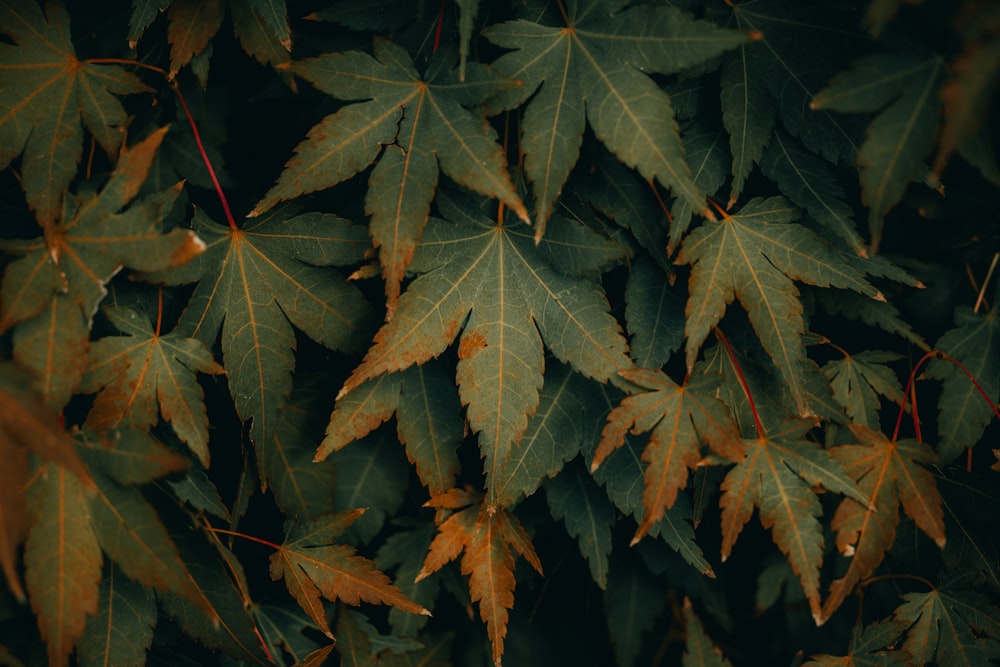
column 52, row 292
column 413, row 125
column 47, row 92
column 589, row 68
column 254, row 283
column 488, row 280
column 753, row 256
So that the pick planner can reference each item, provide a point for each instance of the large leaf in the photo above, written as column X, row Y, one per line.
column 904, row 89
column 412, row 125
column 891, row 473
column 679, row 419
column 776, row 477
column 53, row 291
column 590, row 68
column 142, row 374
column 313, row 567
column 485, row 540
column 47, row 91
column 488, row 280
column 753, row 256
column 254, row 283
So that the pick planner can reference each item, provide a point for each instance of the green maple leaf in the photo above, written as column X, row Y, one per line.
column 46, row 93
column 50, row 294
column 857, row 381
column 488, row 280
column 413, row 126
column 892, row 474
column 313, row 567
column 904, row 90
column 142, row 374
column 776, row 477
column 871, row 646
column 405, row 551
column 486, row 539
column 632, row 602
column 963, row 411
column 952, row 625
column 428, row 421
column 679, row 419
column 591, row 67
column 254, row 283
column 753, row 256
column 654, row 313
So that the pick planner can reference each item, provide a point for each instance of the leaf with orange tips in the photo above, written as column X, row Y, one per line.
column 777, row 477
column 484, row 539
column 679, row 418
column 50, row 294
column 312, row 568
column 893, row 474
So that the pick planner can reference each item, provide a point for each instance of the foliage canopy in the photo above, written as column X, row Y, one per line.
column 320, row 321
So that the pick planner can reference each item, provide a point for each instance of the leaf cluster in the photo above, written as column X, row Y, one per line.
column 462, row 333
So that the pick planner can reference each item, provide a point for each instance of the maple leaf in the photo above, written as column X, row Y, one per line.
column 488, row 280
column 654, row 313
column 27, row 426
column 313, row 567
column 253, row 284
column 428, row 420
column 857, row 381
column 50, row 294
column 143, row 373
column 590, row 67
column 413, row 126
column 679, row 418
column 575, row 498
column 753, row 256
column 484, row 539
column 952, row 625
column 904, row 90
column 633, row 601
column 891, row 474
column 964, row 413
column 46, row 93
column 405, row 551
column 776, row 477
column 871, row 646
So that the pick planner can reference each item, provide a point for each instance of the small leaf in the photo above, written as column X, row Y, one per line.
column 312, row 567
column 679, row 419
column 891, row 474
column 871, row 646
column 963, row 412
column 776, row 477
column 654, row 312
column 486, row 538
column 858, row 380
column 632, row 602
column 193, row 24
column 142, row 374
